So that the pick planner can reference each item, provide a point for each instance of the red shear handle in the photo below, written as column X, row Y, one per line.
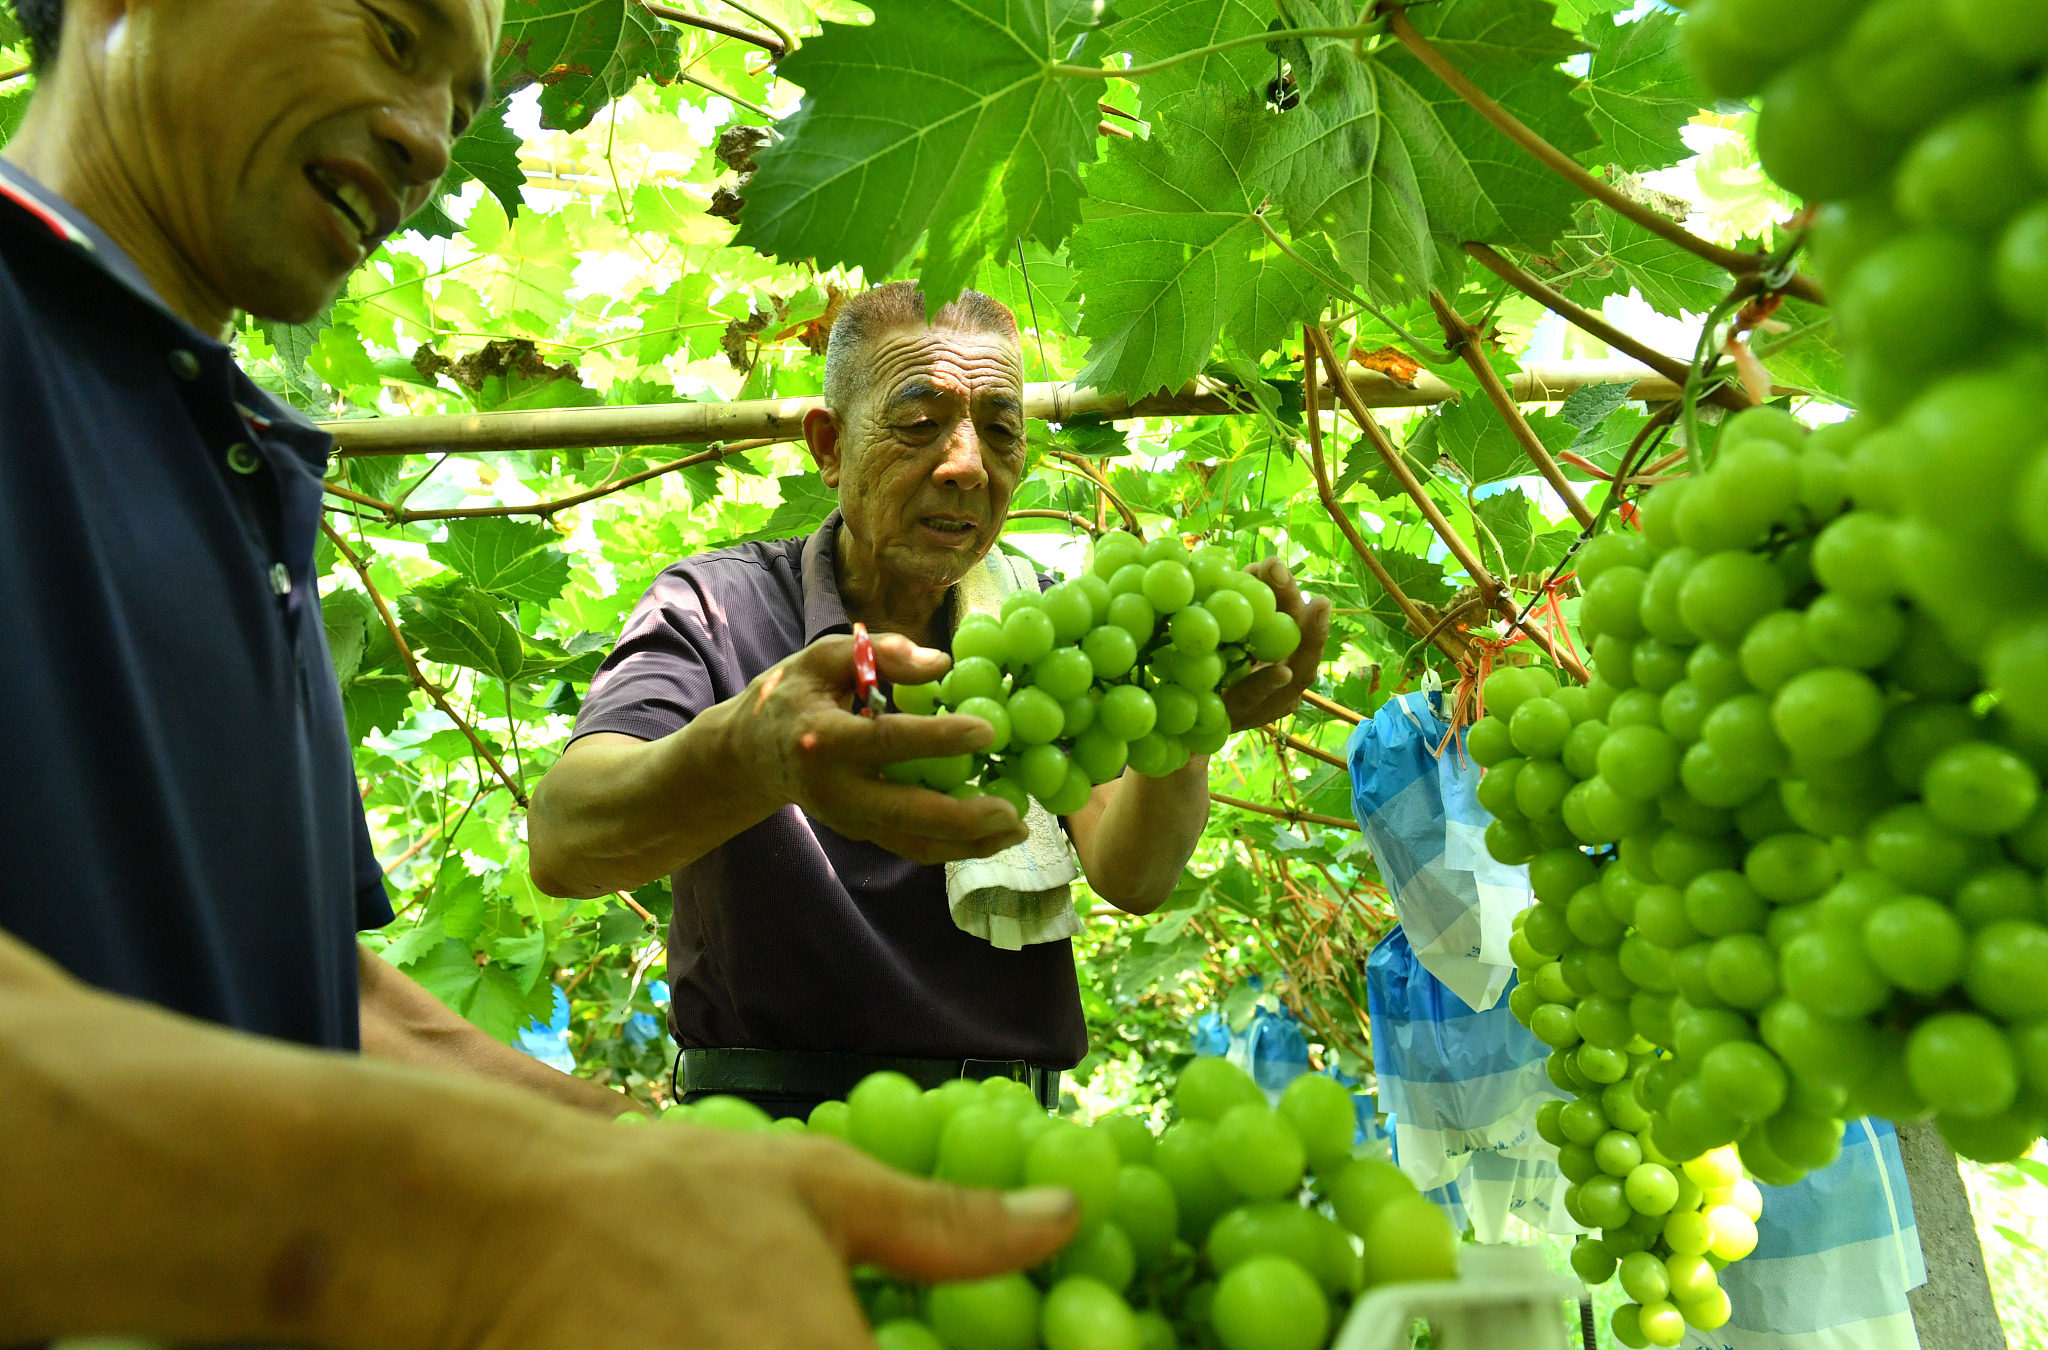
column 866, row 697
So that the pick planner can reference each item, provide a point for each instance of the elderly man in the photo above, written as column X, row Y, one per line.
column 181, row 822
column 812, row 940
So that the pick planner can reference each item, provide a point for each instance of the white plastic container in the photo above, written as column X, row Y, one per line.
column 1505, row 1298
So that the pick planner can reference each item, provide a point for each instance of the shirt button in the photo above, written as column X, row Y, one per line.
column 242, row 459
column 280, row 579
column 184, row 364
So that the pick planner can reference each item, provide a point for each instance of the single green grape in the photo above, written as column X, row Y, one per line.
column 973, row 677
column 1233, row 613
column 1035, row 716
column 1127, row 580
column 1176, row 707
column 1111, row 650
column 1166, row 548
column 1027, row 635
column 1063, row 672
column 1115, row 550
column 1099, row 754
column 1070, row 610
column 1169, row 586
column 1274, row 638
column 1128, row 712
column 1195, row 630
column 1043, row 770
column 1133, row 613
column 980, row 635
column 919, row 700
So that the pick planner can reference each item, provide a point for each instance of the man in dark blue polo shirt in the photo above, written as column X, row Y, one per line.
column 181, row 824
column 808, row 949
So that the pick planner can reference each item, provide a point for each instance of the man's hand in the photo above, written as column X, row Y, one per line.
column 680, row 1237
column 792, row 736
column 1266, row 695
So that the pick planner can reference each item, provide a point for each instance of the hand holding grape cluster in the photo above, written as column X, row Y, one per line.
column 1122, row 666
column 1204, row 1235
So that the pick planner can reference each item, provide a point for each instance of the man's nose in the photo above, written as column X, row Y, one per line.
column 416, row 135
column 962, row 467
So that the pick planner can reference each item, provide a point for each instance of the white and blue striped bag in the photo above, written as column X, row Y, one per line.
column 1835, row 1255
column 1460, row 1088
column 1426, row 830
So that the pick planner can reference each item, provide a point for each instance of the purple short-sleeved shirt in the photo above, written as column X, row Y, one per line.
column 790, row 936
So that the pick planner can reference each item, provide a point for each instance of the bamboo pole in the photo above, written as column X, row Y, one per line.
column 782, row 419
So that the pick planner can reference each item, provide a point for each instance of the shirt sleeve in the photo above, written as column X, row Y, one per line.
column 658, row 678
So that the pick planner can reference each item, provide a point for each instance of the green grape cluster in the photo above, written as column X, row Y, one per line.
column 1123, row 666
column 1919, row 128
column 1243, row 1226
column 1787, row 856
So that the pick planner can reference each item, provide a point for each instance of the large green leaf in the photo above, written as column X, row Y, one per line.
column 1671, row 279
column 938, row 116
column 513, row 558
column 1476, row 439
column 1173, row 255
column 1418, row 578
column 489, row 995
column 1398, row 170
column 806, row 501
column 1525, row 541
column 1640, row 91
column 489, row 152
column 584, row 54
column 449, row 620
column 1152, row 29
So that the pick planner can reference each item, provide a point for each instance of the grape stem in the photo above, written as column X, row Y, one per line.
column 1317, row 344
column 1284, row 813
column 1586, row 320
column 1089, row 471
column 1465, row 340
column 1328, row 497
column 774, row 46
column 1334, row 708
column 1565, row 167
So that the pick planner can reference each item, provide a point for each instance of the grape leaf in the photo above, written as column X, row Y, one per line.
column 489, row 152
column 447, row 619
column 513, row 558
column 939, row 115
column 1639, row 92
column 806, row 501
column 1152, row 29
column 375, row 702
column 1478, row 441
column 584, row 54
column 1398, row 170
column 1418, row 578
column 488, row 995
column 346, row 615
column 1671, row 279
column 1511, row 519
column 1172, row 255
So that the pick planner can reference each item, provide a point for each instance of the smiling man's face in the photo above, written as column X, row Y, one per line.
column 276, row 143
column 931, row 452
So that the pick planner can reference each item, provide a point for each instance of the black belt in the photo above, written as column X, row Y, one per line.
column 830, row 1074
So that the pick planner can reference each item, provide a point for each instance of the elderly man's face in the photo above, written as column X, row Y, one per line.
column 277, row 142
column 932, row 452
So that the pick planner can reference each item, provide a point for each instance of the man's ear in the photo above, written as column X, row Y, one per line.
column 821, row 434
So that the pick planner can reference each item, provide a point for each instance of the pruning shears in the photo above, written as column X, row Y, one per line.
column 867, row 693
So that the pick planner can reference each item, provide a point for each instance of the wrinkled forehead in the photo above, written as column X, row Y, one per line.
column 469, row 29
column 914, row 364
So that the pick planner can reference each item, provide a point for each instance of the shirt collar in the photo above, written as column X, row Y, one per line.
column 824, row 607
column 73, row 226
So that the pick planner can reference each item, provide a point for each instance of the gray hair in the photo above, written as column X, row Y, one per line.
column 899, row 304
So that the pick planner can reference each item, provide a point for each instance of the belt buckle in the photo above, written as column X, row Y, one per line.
column 1016, row 1070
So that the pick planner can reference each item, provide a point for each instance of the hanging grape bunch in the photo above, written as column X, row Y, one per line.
column 1123, row 665
column 1244, row 1225
column 1788, row 867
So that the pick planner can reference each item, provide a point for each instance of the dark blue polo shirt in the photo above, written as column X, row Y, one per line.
column 790, row 936
column 178, row 810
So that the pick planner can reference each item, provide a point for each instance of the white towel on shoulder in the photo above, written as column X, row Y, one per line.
column 1023, row 895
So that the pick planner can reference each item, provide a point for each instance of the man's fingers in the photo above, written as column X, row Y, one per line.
column 1286, row 593
column 930, row 1231
column 1315, row 636
column 893, row 737
column 878, row 807
column 901, row 661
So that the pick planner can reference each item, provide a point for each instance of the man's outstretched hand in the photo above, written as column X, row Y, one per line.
column 793, row 732
column 706, row 1240
column 1275, row 691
